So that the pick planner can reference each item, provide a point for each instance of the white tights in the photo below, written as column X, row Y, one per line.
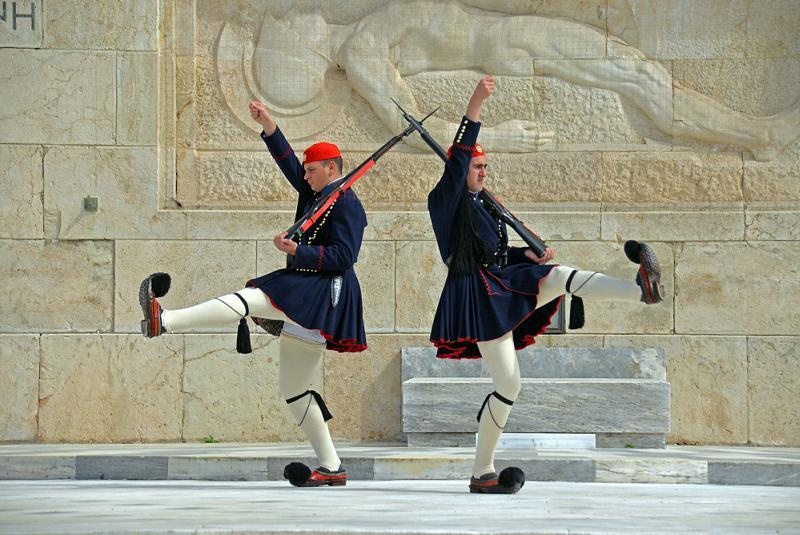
column 500, row 357
column 299, row 360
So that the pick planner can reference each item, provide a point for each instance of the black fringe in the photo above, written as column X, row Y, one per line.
column 469, row 252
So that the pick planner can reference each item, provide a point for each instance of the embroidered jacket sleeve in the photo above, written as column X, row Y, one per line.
column 290, row 166
column 444, row 198
column 347, row 221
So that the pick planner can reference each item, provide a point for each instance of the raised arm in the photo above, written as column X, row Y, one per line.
column 281, row 150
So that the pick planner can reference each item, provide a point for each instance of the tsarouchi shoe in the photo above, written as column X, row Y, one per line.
column 649, row 276
column 300, row 475
column 509, row 481
column 153, row 287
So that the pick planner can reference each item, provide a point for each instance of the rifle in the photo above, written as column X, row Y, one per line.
column 533, row 240
column 346, row 182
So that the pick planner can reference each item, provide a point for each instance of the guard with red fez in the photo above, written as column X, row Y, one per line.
column 497, row 299
column 315, row 300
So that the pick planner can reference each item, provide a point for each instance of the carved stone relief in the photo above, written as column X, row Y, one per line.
column 566, row 83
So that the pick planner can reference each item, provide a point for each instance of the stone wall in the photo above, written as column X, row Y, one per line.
column 666, row 121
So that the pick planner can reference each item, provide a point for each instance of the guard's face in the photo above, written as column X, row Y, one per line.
column 478, row 169
column 319, row 174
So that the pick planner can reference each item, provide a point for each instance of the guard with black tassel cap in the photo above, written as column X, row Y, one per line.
column 498, row 298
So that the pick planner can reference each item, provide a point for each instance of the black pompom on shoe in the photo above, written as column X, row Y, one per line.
column 159, row 282
column 512, row 478
column 633, row 250
column 297, row 473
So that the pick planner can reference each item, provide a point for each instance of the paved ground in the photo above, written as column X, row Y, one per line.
column 366, row 507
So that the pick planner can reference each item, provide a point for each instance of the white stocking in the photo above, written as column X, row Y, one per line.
column 500, row 359
column 221, row 312
column 587, row 285
column 299, row 361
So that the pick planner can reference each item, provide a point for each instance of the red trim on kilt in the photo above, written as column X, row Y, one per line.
column 347, row 345
column 528, row 339
column 321, row 258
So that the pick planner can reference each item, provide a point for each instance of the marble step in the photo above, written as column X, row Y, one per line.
column 554, row 405
column 605, row 362
column 720, row 465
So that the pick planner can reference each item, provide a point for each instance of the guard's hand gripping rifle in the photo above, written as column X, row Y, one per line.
column 536, row 244
column 344, row 183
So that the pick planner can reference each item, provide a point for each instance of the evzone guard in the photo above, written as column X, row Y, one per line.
column 317, row 297
column 496, row 298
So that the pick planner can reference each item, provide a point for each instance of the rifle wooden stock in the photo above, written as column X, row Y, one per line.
column 533, row 241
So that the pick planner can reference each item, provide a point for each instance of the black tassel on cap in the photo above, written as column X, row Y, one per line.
column 243, row 338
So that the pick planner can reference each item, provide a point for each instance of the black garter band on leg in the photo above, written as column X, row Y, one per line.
column 326, row 415
column 576, row 315
column 486, row 402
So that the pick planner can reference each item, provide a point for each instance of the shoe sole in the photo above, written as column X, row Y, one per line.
column 146, row 298
column 650, row 274
column 332, row 483
column 493, row 490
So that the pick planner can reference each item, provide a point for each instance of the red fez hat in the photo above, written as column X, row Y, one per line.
column 320, row 151
column 476, row 151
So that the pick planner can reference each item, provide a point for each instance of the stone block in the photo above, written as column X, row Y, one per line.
column 201, row 270
column 666, row 471
column 110, row 388
column 773, row 385
column 21, row 205
column 537, row 362
column 540, row 177
column 630, row 440
column 674, row 29
column 240, row 225
column 399, row 226
column 234, row 397
column 124, row 184
column 754, row 473
column 103, row 24
column 572, row 470
column 22, row 24
column 708, row 386
column 675, row 226
column 137, row 110
column 768, row 225
column 19, row 379
column 56, row 286
column 753, row 86
column 218, row 468
column 677, row 177
column 37, row 467
column 774, row 181
column 149, row 467
column 590, row 118
column 420, row 275
column 376, row 275
column 363, row 390
column 732, row 288
column 400, row 468
column 543, row 406
column 57, row 97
